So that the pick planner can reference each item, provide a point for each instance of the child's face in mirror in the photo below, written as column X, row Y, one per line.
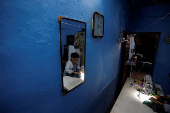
column 75, row 60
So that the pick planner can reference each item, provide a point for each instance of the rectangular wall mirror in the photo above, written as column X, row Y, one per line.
column 72, row 53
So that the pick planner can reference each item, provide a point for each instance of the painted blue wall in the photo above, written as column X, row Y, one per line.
column 142, row 19
column 30, row 72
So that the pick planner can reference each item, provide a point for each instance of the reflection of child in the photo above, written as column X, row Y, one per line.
column 72, row 68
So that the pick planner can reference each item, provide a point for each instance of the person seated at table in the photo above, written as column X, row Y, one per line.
column 165, row 105
column 166, row 98
column 72, row 68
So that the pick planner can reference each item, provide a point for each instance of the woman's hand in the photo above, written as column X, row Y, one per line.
column 154, row 100
column 157, row 97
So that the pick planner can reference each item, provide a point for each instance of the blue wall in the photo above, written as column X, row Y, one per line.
column 30, row 72
column 142, row 19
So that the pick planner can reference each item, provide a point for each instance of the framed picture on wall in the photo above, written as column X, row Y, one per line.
column 97, row 25
column 168, row 39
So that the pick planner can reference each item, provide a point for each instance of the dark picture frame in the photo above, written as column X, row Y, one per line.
column 93, row 22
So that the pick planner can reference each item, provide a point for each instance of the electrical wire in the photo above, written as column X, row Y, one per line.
column 153, row 23
column 157, row 2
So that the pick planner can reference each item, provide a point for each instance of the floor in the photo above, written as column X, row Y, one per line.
column 138, row 75
column 128, row 102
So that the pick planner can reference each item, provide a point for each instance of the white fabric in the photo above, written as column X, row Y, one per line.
column 148, row 79
column 69, row 68
column 167, row 108
column 148, row 88
column 159, row 92
column 148, row 85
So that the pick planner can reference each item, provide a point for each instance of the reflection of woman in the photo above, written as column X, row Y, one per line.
column 72, row 68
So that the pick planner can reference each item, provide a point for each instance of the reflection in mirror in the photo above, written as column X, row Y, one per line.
column 72, row 47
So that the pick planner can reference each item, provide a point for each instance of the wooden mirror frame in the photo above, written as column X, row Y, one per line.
column 60, row 33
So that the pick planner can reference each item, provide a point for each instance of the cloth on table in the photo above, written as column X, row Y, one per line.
column 156, row 107
column 73, row 75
